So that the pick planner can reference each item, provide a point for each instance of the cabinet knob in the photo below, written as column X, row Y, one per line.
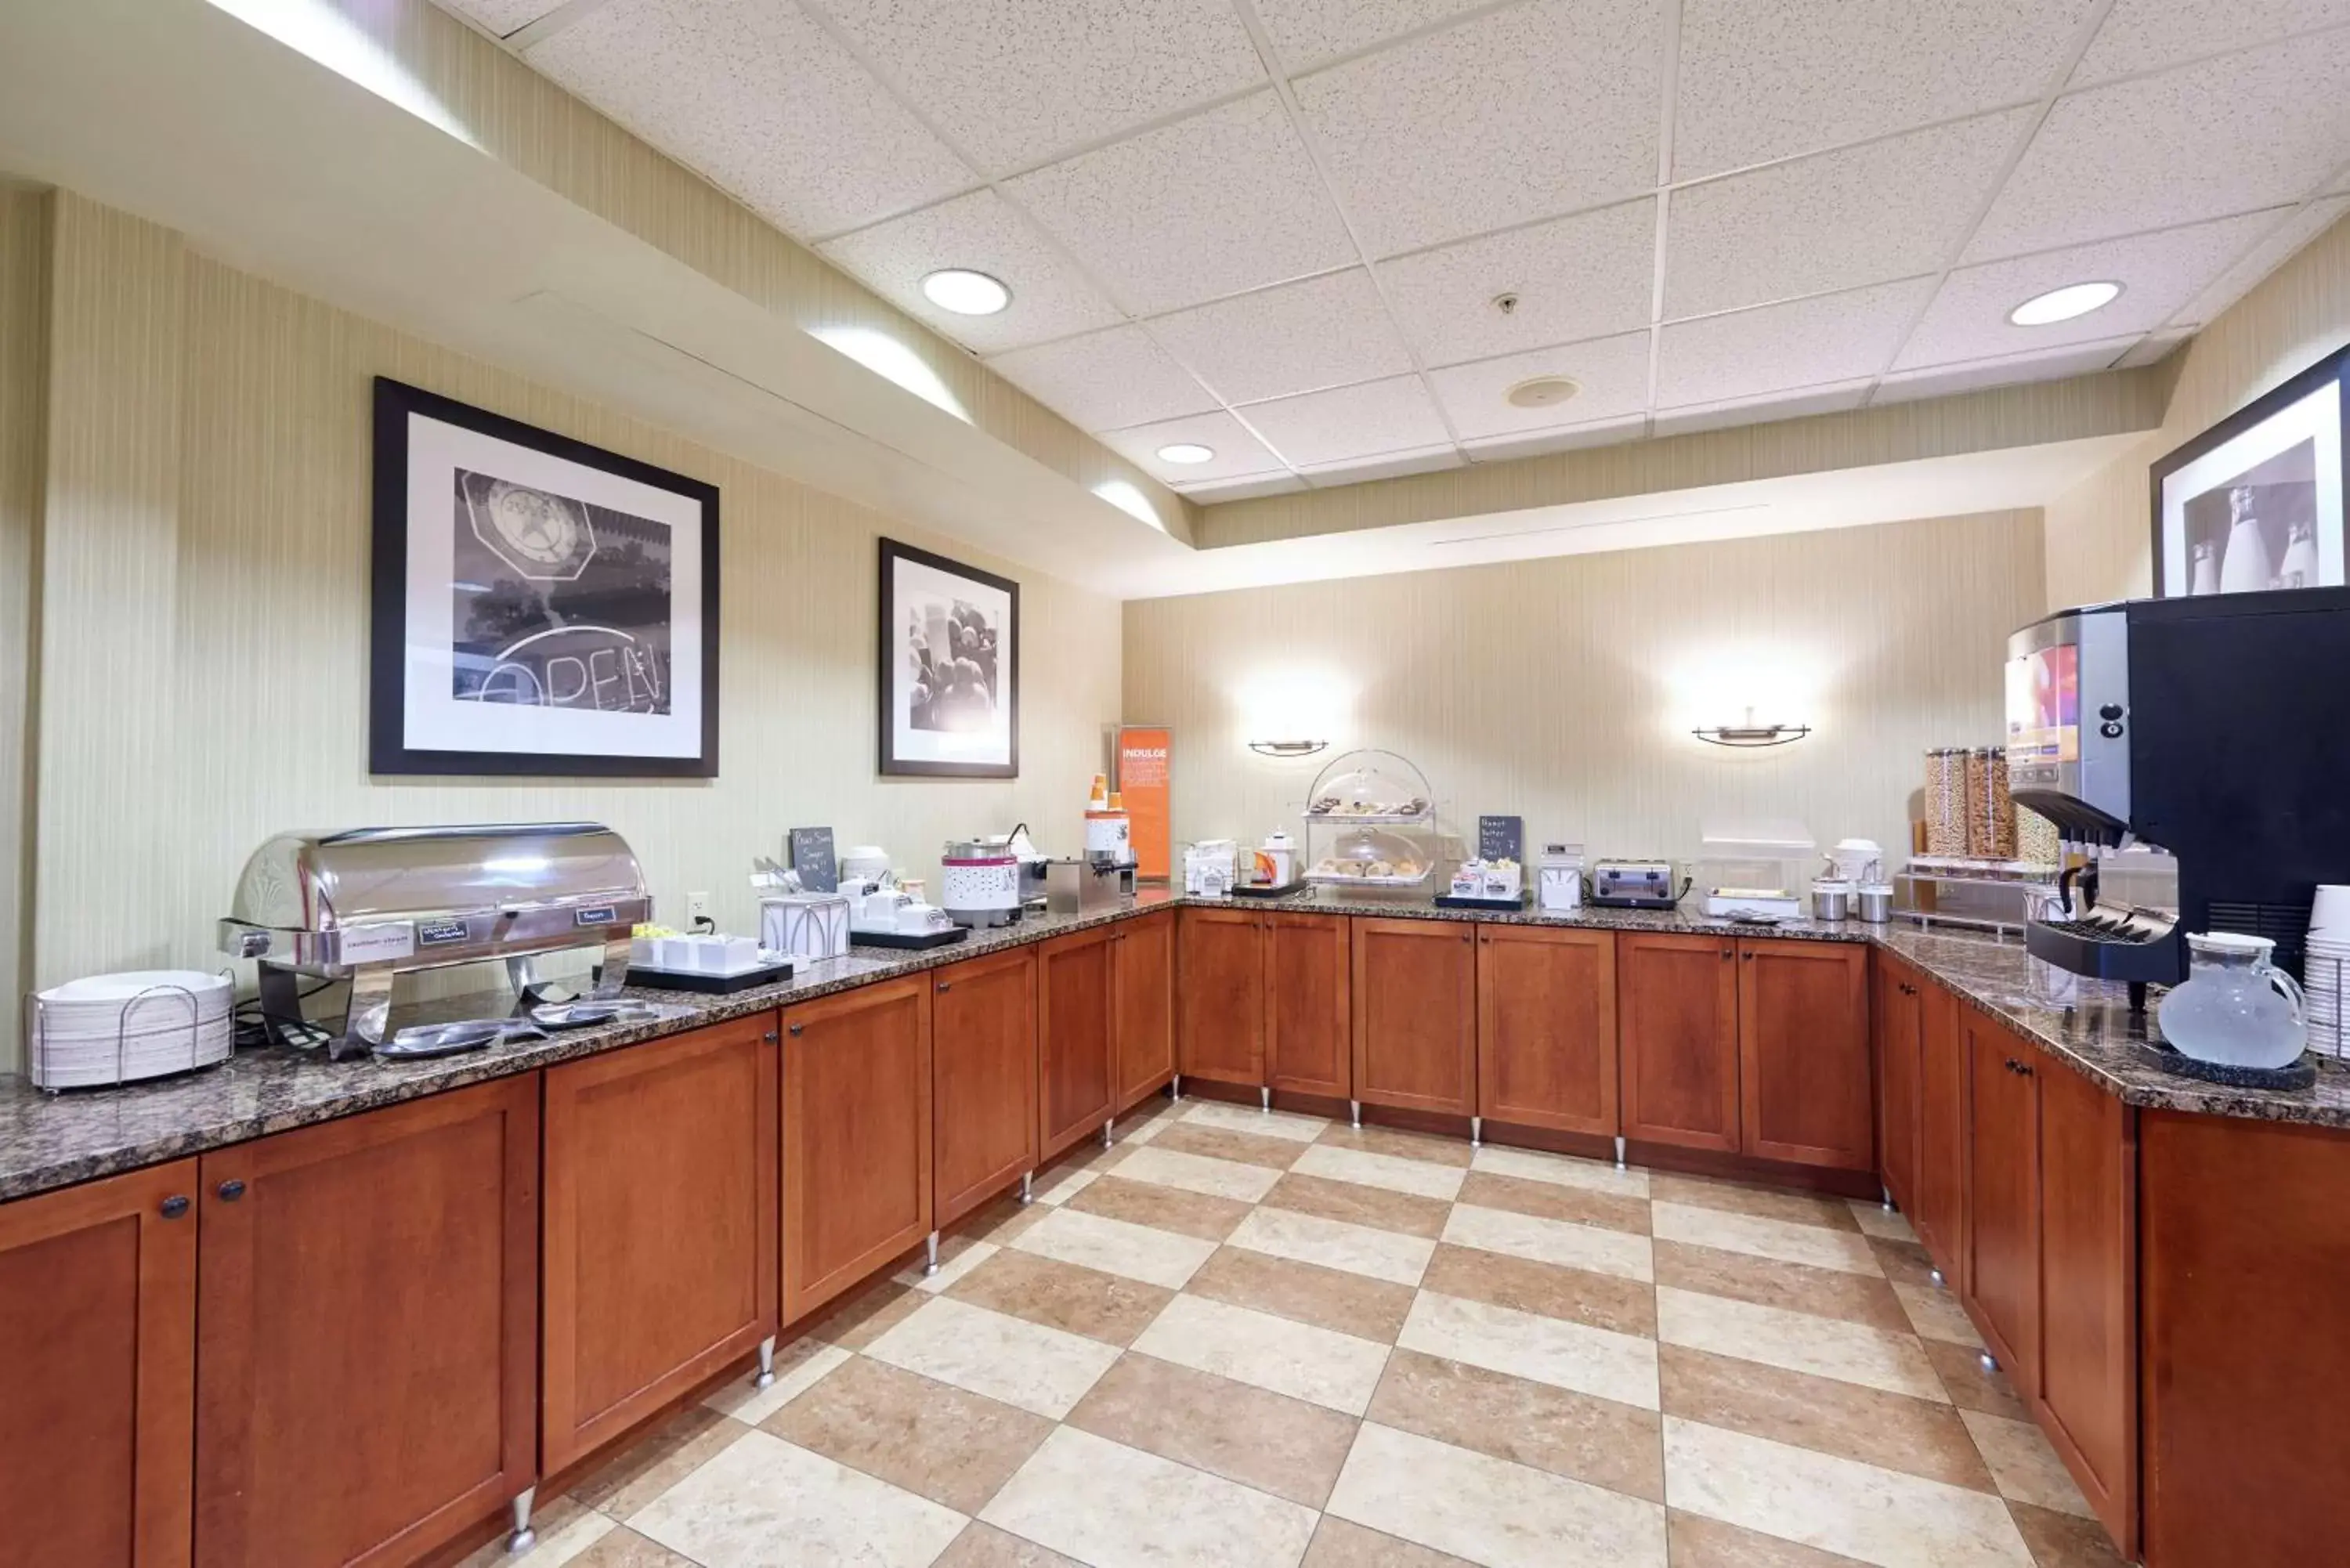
column 173, row 1206
column 798, row 1030
column 946, row 985
column 230, row 1190
column 770, row 1037
column 1748, row 955
column 1729, row 953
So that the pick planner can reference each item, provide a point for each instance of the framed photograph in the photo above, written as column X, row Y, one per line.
column 2254, row 503
column 541, row 605
column 949, row 698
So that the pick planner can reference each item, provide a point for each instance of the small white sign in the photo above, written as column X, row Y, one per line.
column 379, row 943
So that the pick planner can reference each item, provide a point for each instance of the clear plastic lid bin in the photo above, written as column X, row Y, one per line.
column 1761, row 856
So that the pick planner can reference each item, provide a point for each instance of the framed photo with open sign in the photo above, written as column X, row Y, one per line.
column 541, row 605
column 950, row 675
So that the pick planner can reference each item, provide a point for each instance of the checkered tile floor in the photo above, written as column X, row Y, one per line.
column 1240, row 1338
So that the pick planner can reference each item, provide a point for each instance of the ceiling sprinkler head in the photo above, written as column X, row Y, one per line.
column 1506, row 302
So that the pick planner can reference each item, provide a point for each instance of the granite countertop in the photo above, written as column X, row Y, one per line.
column 54, row 1140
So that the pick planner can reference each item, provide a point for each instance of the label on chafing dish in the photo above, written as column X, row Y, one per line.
column 377, row 944
column 441, row 933
column 595, row 915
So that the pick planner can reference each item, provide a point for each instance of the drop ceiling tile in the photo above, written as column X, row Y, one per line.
column 1789, row 405
column 1050, row 297
column 1583, row 277
column 1566, row 437
column 1327, row 331
column 2231, row 135
column 753, row 97
column 1222, row 201
column 2006, row 371
column 1013, row 82
column 1535, row 110
column 2148, row 34
column 2158, row 273
column 2269, row 253
column 1804, row 343
column 1388, row 466
column 1216, row 491
column 1307, row 32
column 1104, row 380
column 504, row 16
column 1761, row 81
column 1837, row 220
column 1351, row 422
column 1238, row 454
column 1613, row 373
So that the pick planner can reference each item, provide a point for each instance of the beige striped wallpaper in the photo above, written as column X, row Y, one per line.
column 1563, row 690
column 23, row 397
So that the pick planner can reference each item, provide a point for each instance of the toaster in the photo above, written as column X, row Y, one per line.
column 1633, row 883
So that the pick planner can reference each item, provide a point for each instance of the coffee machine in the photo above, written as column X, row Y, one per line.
column 2215, row 727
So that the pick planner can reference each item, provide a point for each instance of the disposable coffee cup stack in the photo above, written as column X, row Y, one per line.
column 2326, row 972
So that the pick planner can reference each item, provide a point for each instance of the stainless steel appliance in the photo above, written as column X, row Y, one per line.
column 373, row 903
column 1087, row 885
column 980, row 882
column 1634, row 885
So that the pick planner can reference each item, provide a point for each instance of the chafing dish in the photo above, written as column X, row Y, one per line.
column 374, row 903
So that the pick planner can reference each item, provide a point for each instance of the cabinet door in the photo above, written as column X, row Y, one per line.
column 97, row 1329
column 367, row 1331
column 1677, row 1007
column 856, row 1136
column 983, row 1080
column 1415, row 1021
column 661, row 1226
column 2088, row 1299
column 1805, row 1089
column 1142, row 982
column 2003, row 1219
column 1219, row 1010
column 1074, row 1073
column 1895, row 1003
column 1939, row 1216
column 1309, row 1038
column 1546, row 1028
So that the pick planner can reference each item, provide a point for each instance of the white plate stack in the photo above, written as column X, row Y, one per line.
column 119, row 1028
column 2325, row 971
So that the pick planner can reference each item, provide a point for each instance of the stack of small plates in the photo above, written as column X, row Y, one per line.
column 118, row 1028
column 2325, row 973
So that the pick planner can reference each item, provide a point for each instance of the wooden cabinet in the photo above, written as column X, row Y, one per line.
column 1219, row 1019
column 856, row 1136
column 366, row 1328
column 1073, row 1060
column 983, row 1080
column 1415, row 1015
column 1309, row 1040
column 1897, row 1006
column 2088, row 1297
column 98, row 1324
column 2002, row 1213
column 1546, row 1028
column 1938, row 1214
column 659, row 1226
column 1142, row 989
column 1804, row 1088
column 1677, row 1002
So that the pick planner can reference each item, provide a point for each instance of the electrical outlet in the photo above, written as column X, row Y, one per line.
column 697, row 906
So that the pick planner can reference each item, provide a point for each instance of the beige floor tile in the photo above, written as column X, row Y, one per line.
column 1918, row 1437
column 958, row 1255
column 1789, row 1241
column 1008, row 1358
column 1766, row 1282
column 1305, row 1292
column 652, row 1464
column 1798, row 1342
column 1198, row 1173
column 1147, row 1121
column 951, row 1446
column 1878, row 1222
column 1619, row 1447
column 1336, row 1371
column 2025, row 1465
column 1490, row 1510
column 1419, row 1177
column 624, row 1548
column 1227, row 1117
column 1055, row 1188
column 1288, row 1446
column 982, row 1545
column 1173, row 1208
column 1399, row 1144
column 1702, row 1542
column 1763, row 1202
column 1111, row 1506
column 1220, row 1143
column 1546, row 1349
column 1379, row 1208
column 764, row 1501
column 1969, row 1386
column 999, row 1220
column 867, row 1315
column 567, row 1532
column 1142, row 1253
column 1335, row 1244
column 1602, row 1301
column 1569, row 1245
column 1937, row 1314
column 1836, row 1504
column 2063, row 1539
column 1108, row 1307
column 1904, row 1262
column 799, row 1367
column 1554, row 1200
column 1338, row 1544
column 1560, row 1170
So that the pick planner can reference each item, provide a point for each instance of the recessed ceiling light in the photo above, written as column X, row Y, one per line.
column 1186, row 451
column 965, row 292
column 1543, row 391
column 2064, row 304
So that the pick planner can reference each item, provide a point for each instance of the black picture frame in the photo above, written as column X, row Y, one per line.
column 2334, row 370
column 889, row 669
column 389, row 752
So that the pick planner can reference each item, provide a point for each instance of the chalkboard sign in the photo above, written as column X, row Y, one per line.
column 1502, row 839
column 812, row 857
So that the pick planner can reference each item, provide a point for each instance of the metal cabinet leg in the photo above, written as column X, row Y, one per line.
column 1175, row 1087
column 765, row 1375
column 1990, row 1362
column 1887, row 1202
column 930, row 1255
column 1027, row 1187
column 1936, row 1275
column 1105, row 1126
column 1265, row 1098
column 1355, row 1113
column 522, row 1538
column 1476, row 1132
column 1620, row 1151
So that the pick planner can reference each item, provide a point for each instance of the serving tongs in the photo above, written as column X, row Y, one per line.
column 422, row 1040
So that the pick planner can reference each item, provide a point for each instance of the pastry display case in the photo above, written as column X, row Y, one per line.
column 1370, row 824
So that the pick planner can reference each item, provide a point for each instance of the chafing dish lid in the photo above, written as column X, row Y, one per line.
column 319, row 881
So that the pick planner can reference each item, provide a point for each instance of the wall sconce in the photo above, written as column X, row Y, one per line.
column 1287, row 748
column 1751, row 733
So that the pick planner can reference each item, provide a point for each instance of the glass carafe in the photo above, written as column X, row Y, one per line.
column 2236, row 1007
